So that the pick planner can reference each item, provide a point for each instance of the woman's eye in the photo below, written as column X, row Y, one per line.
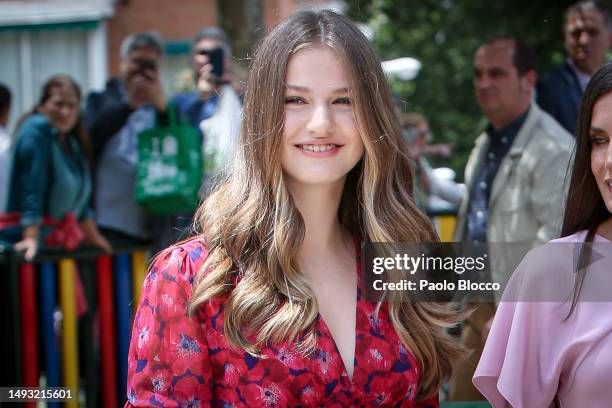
column 598, row 140
column 294, row 100
column 344, row 100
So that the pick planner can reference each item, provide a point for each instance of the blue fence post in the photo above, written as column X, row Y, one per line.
column 48, row 303
column 123, row 294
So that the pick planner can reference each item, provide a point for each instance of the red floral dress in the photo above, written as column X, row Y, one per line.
column 177, row 360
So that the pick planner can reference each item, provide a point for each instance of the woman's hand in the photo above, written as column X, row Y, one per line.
column 101, row 242
column 94, row 237
column 29, row 243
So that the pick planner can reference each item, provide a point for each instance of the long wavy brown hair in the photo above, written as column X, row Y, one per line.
column 253, row 229
column 585, row 208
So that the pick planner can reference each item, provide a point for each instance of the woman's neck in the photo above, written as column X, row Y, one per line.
column 318, row 206
column 605, row 229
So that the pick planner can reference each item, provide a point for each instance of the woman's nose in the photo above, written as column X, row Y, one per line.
column 321, row 122
column 66, row 112
column 608, row 162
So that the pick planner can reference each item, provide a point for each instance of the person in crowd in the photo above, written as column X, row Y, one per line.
column 115, row 117
column 5, row 144
column 558, row 352
column 588, row 36
column 214, row 109
column 264, row 307
column 50, row 182
column 418, row 136
column 514, row 177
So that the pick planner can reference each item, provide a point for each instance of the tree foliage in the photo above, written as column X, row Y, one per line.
column 443, row 35
column 242, row 20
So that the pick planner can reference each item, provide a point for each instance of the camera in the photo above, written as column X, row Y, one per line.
column 215, row 58
column 144, row 66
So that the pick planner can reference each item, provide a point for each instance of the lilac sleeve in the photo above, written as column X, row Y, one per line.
column 519, row 363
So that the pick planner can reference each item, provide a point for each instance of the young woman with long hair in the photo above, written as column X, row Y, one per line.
column 263, row 307
column 50, row 182
column 556, row 349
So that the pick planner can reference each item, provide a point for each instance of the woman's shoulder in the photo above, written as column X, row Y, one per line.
column 575, row 237
column 182, row 260
column 36, row 121
column 35, row 129
column 559, row 252
column 580, row 236
column 555, row 251
column 546, row 272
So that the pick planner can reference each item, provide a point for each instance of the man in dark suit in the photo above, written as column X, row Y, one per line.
column 588, row 36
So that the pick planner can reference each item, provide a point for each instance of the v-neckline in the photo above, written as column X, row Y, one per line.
column 324, row 326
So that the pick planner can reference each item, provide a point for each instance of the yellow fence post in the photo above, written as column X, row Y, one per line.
column 139, row 270
column 67, row 277
column 446, row 227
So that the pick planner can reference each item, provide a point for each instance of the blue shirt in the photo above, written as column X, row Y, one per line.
column 500, row 142
column 194, row 109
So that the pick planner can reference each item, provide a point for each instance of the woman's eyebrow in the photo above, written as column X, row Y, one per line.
column 342, row 90
column 299, row 88
column 595, row 129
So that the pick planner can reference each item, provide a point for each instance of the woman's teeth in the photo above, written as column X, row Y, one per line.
column 318, row 148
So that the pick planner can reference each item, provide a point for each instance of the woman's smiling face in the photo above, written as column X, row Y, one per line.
column 320, row 142
column 62, row 108
column 601, row 148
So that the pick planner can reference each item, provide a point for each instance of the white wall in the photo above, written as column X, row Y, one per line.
column 30, row 57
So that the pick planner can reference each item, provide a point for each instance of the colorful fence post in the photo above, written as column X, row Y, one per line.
column 67, row 272
column 446, row 226
column 87, row 340
column 48, row 302
column 139, row 270
column 12, row 353
column 29, row 332
column 107, row 332
column 124, row 318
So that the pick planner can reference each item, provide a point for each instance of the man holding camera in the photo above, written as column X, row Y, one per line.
column 213, row 107
column 114, row 118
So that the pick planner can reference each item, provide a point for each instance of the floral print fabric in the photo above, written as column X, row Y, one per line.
column 182, row 360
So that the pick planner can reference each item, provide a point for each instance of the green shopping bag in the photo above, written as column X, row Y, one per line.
column 169, row 171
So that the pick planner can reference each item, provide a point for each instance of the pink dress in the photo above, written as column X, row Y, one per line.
column 176, row 360
column 532, row 355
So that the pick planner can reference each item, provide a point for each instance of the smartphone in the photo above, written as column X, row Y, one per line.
column 215, row 58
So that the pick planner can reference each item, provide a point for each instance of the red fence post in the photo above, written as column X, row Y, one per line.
column 108, row 352
column 29, row 332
